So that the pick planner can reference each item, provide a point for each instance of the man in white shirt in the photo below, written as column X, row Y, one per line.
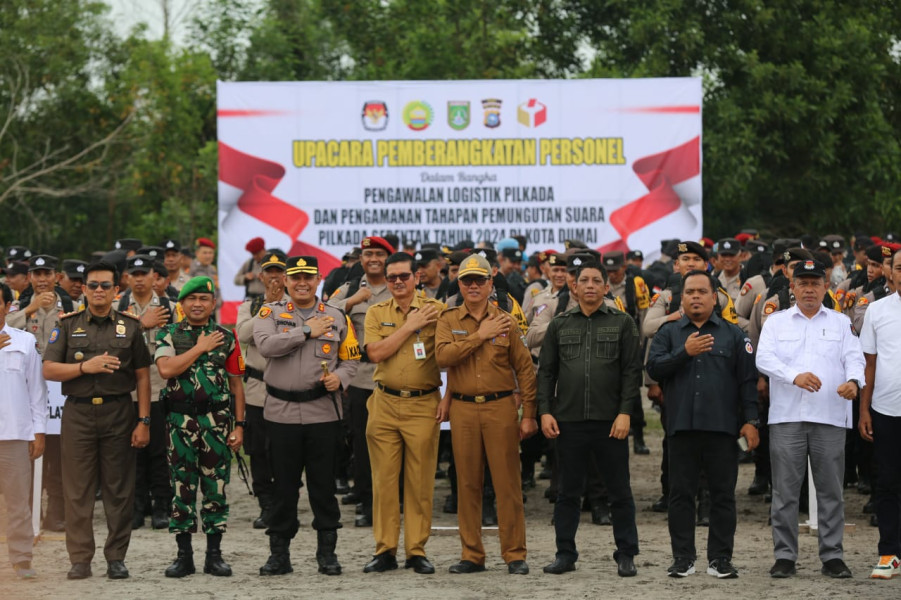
column 880, row 417
column 23, row 421
column 815, row 365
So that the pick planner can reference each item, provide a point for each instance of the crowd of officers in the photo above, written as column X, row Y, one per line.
column 338, row 376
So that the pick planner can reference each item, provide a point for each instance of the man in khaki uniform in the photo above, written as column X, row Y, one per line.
column 100, row 356
column 487, row 360
column 404, row 413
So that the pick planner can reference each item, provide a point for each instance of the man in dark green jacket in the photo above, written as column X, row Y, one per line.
column 588, row 377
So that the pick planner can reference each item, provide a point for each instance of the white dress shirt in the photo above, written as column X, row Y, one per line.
column 791, row 344
column 23, row 391
column 881, row 335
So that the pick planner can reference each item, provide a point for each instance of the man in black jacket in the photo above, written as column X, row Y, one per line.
column 706, row 368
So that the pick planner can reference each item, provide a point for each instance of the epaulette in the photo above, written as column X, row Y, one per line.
column 129, row 315
column 71, row 314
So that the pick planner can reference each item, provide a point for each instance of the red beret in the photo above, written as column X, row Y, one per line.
column 255, row 245
column 376, row 242
column 744, row 237
column 206, row 242
column 707, row 242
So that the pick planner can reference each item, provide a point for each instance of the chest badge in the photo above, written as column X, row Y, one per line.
column 120, row 330
column 290, row 307
column 327, row 348
column 78, row 355
column 285, row 315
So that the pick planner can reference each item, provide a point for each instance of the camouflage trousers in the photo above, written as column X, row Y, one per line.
column 198, row 455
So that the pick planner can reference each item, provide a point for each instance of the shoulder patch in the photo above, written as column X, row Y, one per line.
column 265, row 312
column 769, row 308
column 748, row 347
column 863, row 301
column 536, row 291
column 746, row 288
column 54, row 335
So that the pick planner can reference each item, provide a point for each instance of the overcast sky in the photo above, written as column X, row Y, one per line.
column 125, row 14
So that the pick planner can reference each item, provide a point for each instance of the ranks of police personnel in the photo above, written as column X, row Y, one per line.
column 152, row 472
column 256, row 441
column 313, row 354
column 537, row 283
column 404, row 413
column 486, row 360
column 100, row 356
column 172, row 258
column 72, row 281
column 355, row 298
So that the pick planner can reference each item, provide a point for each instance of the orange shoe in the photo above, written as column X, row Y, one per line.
column 887, row 567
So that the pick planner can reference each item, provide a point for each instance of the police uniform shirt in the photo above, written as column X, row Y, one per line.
column 732, row 285
column 157, row 383
column 751, row 293
column 380, row 293
column 402, row 370
column 295, row 363
column 181, row 280
column 41, row 324
column 255, row 286
column 254, row 389
column 543, row 316
column 476, row 368
column 660, row 310
column 82, row 336
column 532, row 291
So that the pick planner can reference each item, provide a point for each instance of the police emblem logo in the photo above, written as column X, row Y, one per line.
column 472, row 263
column 78, row 355
column 290, row 307
column 654, row 299
column 327, row 348
column 301, row 262
column 458, row 114
column 418, row 115
column 39, row 262
column 683, row 248
column 375, row 115
column 808, row 265
column 54, row 335
column 748, row 347
column 769, row 308
column 492, row 108
column 265, row 312
column 863, row 302
column 120, row 330
column 745, row 289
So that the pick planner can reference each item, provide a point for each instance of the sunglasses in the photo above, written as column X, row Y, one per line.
column 468, row 281
column 395, row 276
column 106, row 285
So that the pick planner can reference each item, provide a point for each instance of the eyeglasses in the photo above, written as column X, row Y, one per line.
column 395, row 276
column 469, row 281
column 106, row 285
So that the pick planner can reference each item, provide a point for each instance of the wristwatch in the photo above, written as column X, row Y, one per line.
column 241, row 424
column 754, row 422
column 306, row 332
column 144, row 420
column 855, row 382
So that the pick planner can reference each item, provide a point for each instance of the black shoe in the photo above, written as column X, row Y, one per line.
column 79, row 571
column 551, row 495
column 528, row 483
column 874, row 520
column 518, row 567
column 363, row 520
column 326, row 542
column 214, row 565
column 277, row 564
column 625, row 566
column 869, row 508
column 836, row 568
column 466, row 566
column 759, row 486
column 115, row 569
column 545, row 473
column 600, row 514
column 864, row 487
column 681, row 567
column 137, row 519
column 560, row 566
column 182, row 566
column 661, row 505
column 350, row 498
column 262, row 522
column 381, row 563
column 419, row 564
column 160, row 517
column 782, row 569
column 341, row 486
column 722, row 568
column 450, row 505
column 745, row 458
column 489, row 514
column 639, row 447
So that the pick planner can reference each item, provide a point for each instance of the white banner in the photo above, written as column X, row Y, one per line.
column 313, row 167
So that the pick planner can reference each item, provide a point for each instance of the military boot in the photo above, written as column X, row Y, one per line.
column 325, row 552
column 638, row 445
column 160, row 517
column 262, row 522
column 279, row 562
column 184, row 562
column 214, row 565
column 137, row 517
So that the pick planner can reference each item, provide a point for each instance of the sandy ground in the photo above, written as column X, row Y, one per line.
column 246, row 550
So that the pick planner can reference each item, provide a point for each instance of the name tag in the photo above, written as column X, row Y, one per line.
column 384, row 324
column 459, row 332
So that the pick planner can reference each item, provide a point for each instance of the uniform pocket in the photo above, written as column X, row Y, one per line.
column 12, row 361
column 606, row 345
column 570, row 347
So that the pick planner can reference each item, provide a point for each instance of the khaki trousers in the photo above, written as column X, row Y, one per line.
column 402, row 434
column 488, row 431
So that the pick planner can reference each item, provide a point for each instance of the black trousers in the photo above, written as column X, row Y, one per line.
column 690, row 453
column 762, row 466
column 256, row 444
column 52, row 477
column 151, row 467
column 575, row 442
column 297, row 449
column 887, row 492
column 362, row 471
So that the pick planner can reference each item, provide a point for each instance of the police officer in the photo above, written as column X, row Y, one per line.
column 478, row 344
column 172, row 261
column 100, row 357
column 355, row 298
column 431, row 282
column 72, row 281
column 256, row 441
column 404, row 412
column 202, row 362
column 510, row 262
column 730, row 268
column 248, row 276
column 152, row 473
column 302, row 413
column 537, row 282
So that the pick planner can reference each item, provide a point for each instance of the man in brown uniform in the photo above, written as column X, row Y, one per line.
column 404, row 413
column 100, row 356
column 483, row 350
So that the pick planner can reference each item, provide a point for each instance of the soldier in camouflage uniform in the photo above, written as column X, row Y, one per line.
column 203, row 365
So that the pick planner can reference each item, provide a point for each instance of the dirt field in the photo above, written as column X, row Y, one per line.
column 246, row 550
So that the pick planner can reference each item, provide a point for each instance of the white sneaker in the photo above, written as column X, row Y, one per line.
column 887, row 567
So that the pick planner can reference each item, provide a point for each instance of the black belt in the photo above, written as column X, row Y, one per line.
column 481, row 399
column 291, row 396
column 407, row 393
column 196, row 408
column 98, row 400
column 250, row 372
